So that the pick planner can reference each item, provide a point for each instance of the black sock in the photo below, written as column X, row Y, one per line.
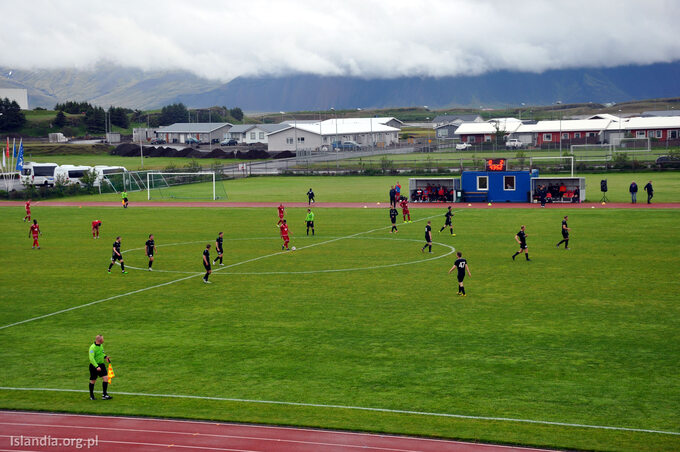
column 451, row 231
column 205, row 278
column 442, row 228
column 430, row 248
column 92, row 390
column 458, row 289
column 111, row 265
column 122, row 267
column 462, row 289
column 150, row 264
column 312, row 231
column 566, row 243
column 105, row 385
column 515, row 254
column 526, row 255
column 221, row 258
column 307, row 231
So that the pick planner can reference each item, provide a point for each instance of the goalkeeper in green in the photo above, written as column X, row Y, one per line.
column 310, row 221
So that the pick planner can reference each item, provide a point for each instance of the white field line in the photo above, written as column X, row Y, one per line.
column 114, row 297
column 358, row 408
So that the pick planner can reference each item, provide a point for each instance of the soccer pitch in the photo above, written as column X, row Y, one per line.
column 356, row 319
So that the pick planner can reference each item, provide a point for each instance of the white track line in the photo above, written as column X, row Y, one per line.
column 359, row 408
column 188, row 277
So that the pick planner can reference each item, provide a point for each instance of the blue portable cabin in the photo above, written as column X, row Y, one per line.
column 497, row 186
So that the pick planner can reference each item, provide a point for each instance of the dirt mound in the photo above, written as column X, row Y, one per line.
column 284, row 155
column 252, row 154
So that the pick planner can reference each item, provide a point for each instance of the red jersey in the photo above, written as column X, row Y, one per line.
column 281, row 209
column 404, row 205
column 96, row 224
column 28, row 206
column 284, row 230
column 35, row 230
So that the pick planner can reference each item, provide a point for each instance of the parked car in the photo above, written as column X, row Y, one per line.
column 158, row 141
column 215, row 141
column 668, row 161
column 229, row 142
column 462, row 146
column 513, row 143
column 191, row 140
column 346, row 145
column 38, row 173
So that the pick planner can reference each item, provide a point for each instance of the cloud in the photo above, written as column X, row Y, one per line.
column 366, row 38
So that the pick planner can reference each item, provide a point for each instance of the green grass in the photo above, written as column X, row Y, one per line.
column 586, row 336
column 375, row 188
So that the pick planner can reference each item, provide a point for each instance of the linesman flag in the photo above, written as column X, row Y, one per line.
column 110, row 374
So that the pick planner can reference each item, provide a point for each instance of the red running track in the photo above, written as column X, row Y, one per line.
column 112, row 433
column 349, row 205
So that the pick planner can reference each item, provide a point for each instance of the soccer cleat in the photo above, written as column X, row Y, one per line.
column 566, row 248
column 465, row 295
column 221, row 264
column 453, row 235
column 558, row 245
column 205, row 281
column 282, row 247
column 513, row 257
column 410, row 221
column 106, row 397
column 150, row 269
column 93, row 398
column 529, row 260
column 108, row 271
column 124, row 272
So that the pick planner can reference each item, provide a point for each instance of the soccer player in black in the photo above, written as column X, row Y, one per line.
column 565, row 234
column 521, row 238
column 206, row 263
column 393, row 218
column 448, row 215
column 461, row 265
column 219, row 248
column 428, row 237
column 116, row 256
column 150, row 247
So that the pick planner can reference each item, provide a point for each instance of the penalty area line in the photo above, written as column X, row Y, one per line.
column 359, row 408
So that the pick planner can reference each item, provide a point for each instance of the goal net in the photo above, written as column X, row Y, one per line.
column 202, row 185
column 633, row 145
column 583, row 152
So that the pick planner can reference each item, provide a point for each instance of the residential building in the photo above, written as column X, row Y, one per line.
column 202, row 131
column 253, row 133
column 456, row 120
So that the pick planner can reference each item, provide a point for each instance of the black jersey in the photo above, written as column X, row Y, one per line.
column 564, row 226
column 116, row 247
column 460, row 265
column 393, row 215
column 428, row 232
column 522, row 237
column 218, row 243
column 206, row 253
column 448, row 216
column 150, row 245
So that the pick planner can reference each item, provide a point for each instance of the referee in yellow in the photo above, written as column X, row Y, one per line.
column 98, row 367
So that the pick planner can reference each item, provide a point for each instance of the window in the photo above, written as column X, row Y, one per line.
column 261, row 135
column 577, row 135
column 482, row 182
column 673, row 134
column 470, row 139
column 547, row 137
column 443, row 132
column 590, row 134
column 289, row 141
column 509, row 183
column 301, row 139
column 640, row 134
column 252, row 135
column 487, row 138
column 565, row 135
column 657, row 133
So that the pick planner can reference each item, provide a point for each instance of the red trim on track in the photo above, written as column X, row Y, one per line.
column 113, row 433
column 349, row 205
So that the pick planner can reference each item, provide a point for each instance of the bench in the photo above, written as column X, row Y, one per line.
column 481, row 196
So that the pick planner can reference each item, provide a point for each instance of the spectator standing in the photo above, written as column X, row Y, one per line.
column 393, row 197
column 397, row 189
column 633, row 192
column 310, row 196
column 650, row 192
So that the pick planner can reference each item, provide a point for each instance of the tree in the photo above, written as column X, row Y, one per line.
column 236, row 113
column 11, row 116
column 73, row 108
column 171, row 114
column 60, row 120
column 119, row 117
column 95, row 120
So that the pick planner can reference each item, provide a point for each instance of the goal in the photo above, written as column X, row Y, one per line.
column 201, row 185
column 633, row 145
column 585, row 151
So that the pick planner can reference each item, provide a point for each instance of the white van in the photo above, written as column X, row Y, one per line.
column 104, row 170
column 38, row 173
column 71, row 173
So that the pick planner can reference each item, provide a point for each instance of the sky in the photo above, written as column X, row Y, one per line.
column 225, row 39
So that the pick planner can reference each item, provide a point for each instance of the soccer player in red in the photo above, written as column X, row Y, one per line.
column 284, row 234
column 404, row 210
column 35, row 231
column 28, row 211
column 95, row 228
column 282, row 212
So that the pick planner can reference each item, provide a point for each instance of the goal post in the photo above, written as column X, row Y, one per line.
column 632, row 145
column 590, row 150
column 569, row 157
column 186, row 185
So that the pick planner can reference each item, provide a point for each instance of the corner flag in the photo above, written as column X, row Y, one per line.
column 20, row 157
column 110, row 373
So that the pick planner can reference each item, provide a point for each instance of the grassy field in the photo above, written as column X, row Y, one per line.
column 375, row 188
column 586, row 336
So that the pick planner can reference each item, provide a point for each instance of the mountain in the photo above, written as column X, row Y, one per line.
column 127, row 87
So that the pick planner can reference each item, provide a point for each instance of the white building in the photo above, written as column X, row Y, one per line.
column 16, row 94
column 364, row 131
column 202, row 131
column 254, row 133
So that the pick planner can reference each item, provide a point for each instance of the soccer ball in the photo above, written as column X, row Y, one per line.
column 469, row 205
column 365, row 207
column 603, row 203
column 489, row 204
column 292, row 248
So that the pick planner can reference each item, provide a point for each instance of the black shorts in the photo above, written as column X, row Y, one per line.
column 207, row 267
column 522, row 246
column 565, row 235
column 448, row 223
column 428, row 239
column 150, row 253
column 310, row 224
column 94, row 373
column 220, row 251
column 115, row 257
column 125, row 199
column 461, row 277
column 394, row 220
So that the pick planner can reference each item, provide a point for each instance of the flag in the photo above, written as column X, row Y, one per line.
column 110, row 373
column 20, row 157
column 4, row 163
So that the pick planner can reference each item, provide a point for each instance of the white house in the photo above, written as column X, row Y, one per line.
column 254, row 133
column 202, row 131
column 364, row 131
